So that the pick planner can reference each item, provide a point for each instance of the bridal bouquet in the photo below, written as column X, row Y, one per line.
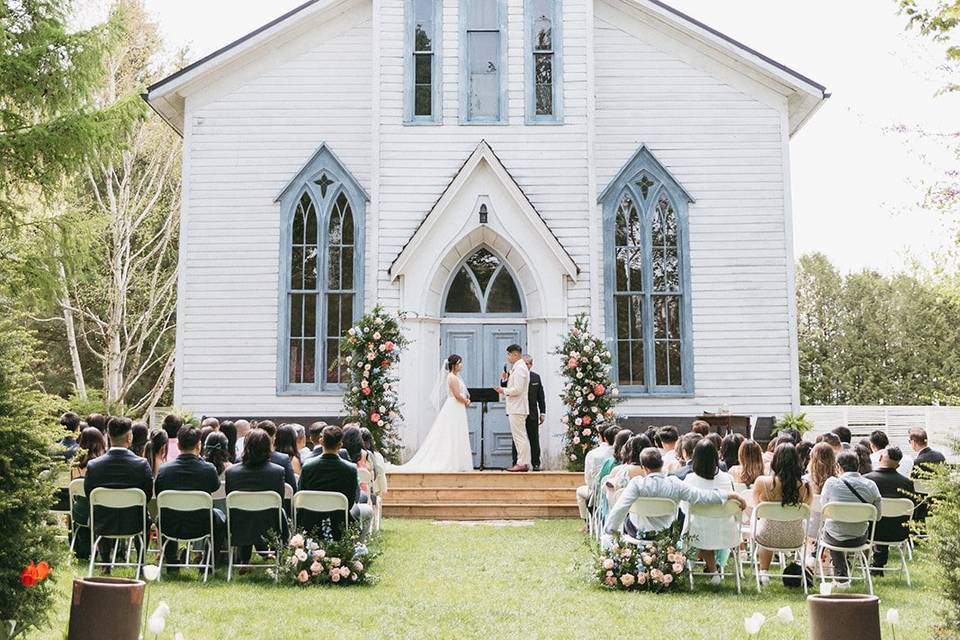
column 306, row 561
column 654, row 566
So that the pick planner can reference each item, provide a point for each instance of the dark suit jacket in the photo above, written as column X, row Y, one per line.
column 328, row 472
column 535, row 397
column 186, row 473
column 118, row 468
column 249, row 527
column 892, row 484
column 926, row 459
column 283, row 460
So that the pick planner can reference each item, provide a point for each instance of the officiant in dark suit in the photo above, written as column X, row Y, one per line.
column 538, row 413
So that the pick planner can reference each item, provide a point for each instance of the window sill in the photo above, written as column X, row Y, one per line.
column 422, row 123
column 326, row 393
column 545, row 123
column 655, row 395
column 484, row 123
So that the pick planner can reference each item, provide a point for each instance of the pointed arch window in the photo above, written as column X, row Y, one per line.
column 648, row 314
column 322, row 274
column 482, row 284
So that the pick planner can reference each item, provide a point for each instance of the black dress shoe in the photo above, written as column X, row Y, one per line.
column 536, row 467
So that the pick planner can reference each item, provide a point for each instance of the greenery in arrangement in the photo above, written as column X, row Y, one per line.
column 654, row 565
column 589, row 393
column 870, row 339
column 798, row 421
column 370, row 349
column 28, row 481
column 320, row 559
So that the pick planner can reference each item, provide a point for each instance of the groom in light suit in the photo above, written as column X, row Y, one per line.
column 517, row 405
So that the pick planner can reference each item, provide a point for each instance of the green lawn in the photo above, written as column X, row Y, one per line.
column 456, row 581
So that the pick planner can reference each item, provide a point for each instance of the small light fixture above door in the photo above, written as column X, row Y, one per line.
column 483, row 214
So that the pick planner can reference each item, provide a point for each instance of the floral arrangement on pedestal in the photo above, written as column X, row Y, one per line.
column 370, row 349
column 308, row 560
column 654, row 565
column 588, row 393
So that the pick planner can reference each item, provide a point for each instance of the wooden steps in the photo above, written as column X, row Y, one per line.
column 482, row 495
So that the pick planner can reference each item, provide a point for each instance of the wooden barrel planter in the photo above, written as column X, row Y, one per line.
column 106, row 608
column 844, row 616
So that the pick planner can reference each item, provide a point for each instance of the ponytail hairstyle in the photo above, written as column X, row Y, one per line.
column 156, row 445
column 452, row 361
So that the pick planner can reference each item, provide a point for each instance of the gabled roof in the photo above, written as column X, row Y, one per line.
column 166, row 96
column 643, row 160
column 483, row 154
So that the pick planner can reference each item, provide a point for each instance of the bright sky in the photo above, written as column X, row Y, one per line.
column 855, row 185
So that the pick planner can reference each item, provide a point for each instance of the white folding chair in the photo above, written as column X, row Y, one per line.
column 320, row 502
column 779, row 513
column 287, row 491
column 252, row 501
column 187, row 501
column 75, row 490
column 897, row 508
column 365, row 476
column 729, row 510
column 850, row 513
column 221, row 493
column 652, row 508
column 118, row 499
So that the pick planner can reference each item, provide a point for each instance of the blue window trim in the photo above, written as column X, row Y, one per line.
column 506, row 267
column 528, row 68
column 323, row 161
column 644, row 163
column 465, row 67
column 409, row 71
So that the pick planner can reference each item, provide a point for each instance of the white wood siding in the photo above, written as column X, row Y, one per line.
column 725, row 146
column 247, row 138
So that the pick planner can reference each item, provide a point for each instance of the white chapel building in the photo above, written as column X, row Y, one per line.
column 489, row 169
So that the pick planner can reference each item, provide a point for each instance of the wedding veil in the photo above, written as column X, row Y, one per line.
column 440, row 393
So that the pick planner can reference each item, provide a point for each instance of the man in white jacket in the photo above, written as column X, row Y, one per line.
column 517, row 405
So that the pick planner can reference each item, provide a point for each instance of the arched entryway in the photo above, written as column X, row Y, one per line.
column 483, row 313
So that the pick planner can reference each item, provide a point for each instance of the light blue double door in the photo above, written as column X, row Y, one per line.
column 483, row 348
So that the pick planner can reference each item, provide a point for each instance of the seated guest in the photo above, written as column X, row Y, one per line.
column 701, row 427
column 243, row 428
column 654, row 483
column 276, row 457
column 314, row 437
column 229, row 430
column 863, row 455
column 189, row 473
column 97, row 421
column 792, row 433
column 822, row 465
column 330, row 472
column 91, row 445
column 787, row 487
column 926, row 459
column 355, row 453
column 669, row 436
column 286, row 443
column 141, row 432
column 749, row 465
column 832, row 440
column 717, row 441
column 804, row 449
column 204, row 432
column 302, row 447
column 629, row 468
column 376, row 461
column 71, row 425
column 651, row 433
column 156, row 450
column 891, row 484
column 850, row 486
column 619, row 442
column 254, row 473
column 685, row 453
column 591, row 467
column 171, row 425
column 211, row 422
column 216, row 451
column 118, row 468
column 730, row 450
column 845, row 436
column 714, row 538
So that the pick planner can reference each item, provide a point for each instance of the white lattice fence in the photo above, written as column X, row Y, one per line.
column 940, row 422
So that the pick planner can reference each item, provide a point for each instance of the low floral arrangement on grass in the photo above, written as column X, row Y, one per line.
column 369, row 350
column 316, row 560
column 588, row 393
column 655, row 566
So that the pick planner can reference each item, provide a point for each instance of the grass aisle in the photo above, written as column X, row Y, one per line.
column 464, row 582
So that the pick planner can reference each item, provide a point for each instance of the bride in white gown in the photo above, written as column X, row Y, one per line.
column 447, row 446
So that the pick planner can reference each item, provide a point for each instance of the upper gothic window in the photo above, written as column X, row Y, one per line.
column 648, row 304
column 483, row 284
column 322, row 276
